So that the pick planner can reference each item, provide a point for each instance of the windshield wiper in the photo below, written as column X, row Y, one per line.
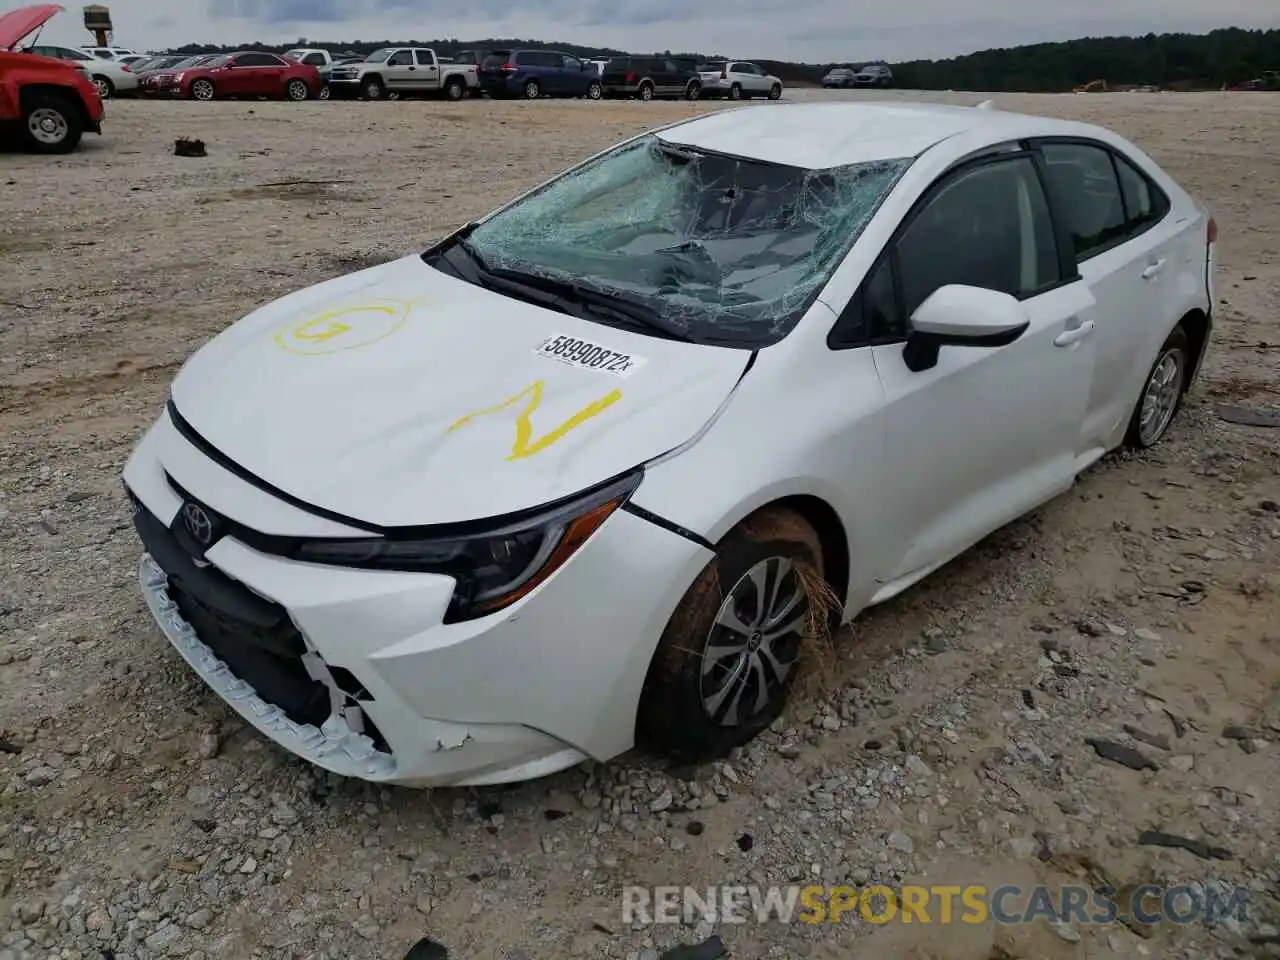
column 629, row 312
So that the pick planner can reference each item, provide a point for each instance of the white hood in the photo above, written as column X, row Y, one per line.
column 344, row 395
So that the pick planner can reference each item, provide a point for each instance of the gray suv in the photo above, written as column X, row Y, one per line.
column 874, row 75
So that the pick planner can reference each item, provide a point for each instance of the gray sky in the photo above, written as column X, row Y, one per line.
column 813, row 30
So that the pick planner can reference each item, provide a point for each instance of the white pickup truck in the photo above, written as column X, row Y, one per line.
column 402, row 71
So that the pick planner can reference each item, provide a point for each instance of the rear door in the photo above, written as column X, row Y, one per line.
column 987, row 433
column 427, row 72
column 1123, row 238
column 257, row 74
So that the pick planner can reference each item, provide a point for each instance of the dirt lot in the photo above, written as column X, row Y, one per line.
column 139, row 818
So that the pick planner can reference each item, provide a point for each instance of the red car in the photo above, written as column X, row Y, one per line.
column 247, row 74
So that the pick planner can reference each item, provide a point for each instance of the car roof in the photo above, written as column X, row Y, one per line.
column 819, row 136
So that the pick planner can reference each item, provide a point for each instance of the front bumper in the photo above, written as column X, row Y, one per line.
column 403, row 697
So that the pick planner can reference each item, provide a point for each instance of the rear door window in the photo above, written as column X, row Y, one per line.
column 1084, row 183
column 1144, row 202
column 425, row 59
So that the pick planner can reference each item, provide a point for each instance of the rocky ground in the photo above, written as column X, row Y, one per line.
column 139, row 819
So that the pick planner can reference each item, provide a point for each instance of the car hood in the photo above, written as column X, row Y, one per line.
column 401, row 396
column 17, row 25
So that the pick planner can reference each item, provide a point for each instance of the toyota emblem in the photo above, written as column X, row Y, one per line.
column 198, row 523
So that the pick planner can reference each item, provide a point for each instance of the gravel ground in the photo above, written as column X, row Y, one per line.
column 139, row 819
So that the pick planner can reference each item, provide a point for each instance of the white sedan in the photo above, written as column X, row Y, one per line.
column 109, row 76
column 583, row 474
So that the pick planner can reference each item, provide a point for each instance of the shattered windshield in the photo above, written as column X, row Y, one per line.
column 717, row 248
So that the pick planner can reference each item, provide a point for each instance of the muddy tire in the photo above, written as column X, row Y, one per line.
column 50, row 123
column 727, row 659
column 1162, row 392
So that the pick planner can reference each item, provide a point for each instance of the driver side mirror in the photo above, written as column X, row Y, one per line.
column 958, row 315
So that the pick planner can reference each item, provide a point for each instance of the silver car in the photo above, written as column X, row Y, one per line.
column 738, row 80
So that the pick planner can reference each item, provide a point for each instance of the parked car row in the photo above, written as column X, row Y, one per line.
column 871, row 75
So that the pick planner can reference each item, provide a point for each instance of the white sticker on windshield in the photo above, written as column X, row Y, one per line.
column 590, row 356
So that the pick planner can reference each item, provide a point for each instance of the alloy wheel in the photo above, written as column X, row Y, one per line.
column 1160, row 398
column 754, row 643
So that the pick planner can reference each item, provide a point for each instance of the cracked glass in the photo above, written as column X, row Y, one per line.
column 724, row 249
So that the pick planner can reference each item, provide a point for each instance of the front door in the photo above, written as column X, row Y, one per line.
column 987, row 433
column 400, row 71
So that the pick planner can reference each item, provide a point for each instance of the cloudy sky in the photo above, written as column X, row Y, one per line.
column 809, row 30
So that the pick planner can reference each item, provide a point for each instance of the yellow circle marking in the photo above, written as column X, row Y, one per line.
column 348, row 328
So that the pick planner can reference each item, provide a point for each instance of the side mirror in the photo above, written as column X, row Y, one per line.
column 962, row 316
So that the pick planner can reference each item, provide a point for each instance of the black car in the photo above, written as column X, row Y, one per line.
column 649, row 77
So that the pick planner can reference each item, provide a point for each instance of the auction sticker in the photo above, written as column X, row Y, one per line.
column 589, row 356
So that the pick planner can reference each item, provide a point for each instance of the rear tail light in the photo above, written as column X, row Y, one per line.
column 508, row 68
column 631, row 78
column 724, row 73
column 1213, row 231
column 126, row 69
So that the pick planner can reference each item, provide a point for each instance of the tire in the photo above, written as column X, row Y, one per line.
column 775, row 92
column 595, row 91
column 373, row 89
column 455, row 88
column 106, row 89
column 884, row 82
column 1162, row 392
column 693, row 91
column 532, row 90
column 297, row 90
column 325, row 93
column 50, row 123
column 686, row 709
column 202, row 90
column 645, row 92
column 735, row 92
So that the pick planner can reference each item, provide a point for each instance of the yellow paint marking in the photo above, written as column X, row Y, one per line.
column 345, row 328
column 524, row 425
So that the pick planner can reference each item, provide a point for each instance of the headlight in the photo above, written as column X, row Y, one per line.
column 492, row 568
column 176, row 78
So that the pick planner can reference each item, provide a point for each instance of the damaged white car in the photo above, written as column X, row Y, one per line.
column 587, row 472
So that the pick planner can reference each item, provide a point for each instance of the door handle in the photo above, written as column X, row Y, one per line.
column 1153, row 269
column 1073, row 335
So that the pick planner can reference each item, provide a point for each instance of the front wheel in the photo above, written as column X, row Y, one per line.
column 728, row 657
column 1162, row 392
column 373, row 89
column 50, row 124
column 297, row 90
column 595, row 91
column 775, row 92
column 202, row 90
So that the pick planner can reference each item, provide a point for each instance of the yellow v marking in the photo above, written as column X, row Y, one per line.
column 524, row 425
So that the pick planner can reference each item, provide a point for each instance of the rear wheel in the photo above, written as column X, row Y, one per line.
column 106, row 89
column 297, row 90
column 455, row 88
column 727, row 659
column 1161, row 393
column 595, row 91
column 532, row 90
column 693, row 91
column 50, row 123
column 202, row 90
column 646, row 91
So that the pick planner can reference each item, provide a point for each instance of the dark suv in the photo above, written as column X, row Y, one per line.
column 538, row 73
column 649, row 77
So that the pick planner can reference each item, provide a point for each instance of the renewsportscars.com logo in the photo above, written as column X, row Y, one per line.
column 973, row 904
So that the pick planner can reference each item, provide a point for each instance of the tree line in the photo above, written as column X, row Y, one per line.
column 1172, row 60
